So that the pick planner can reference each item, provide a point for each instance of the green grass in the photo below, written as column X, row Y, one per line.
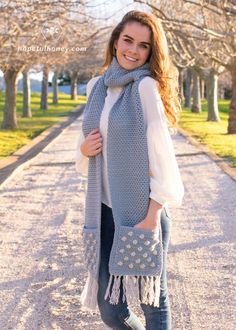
column 212, row 134
column 28, row 128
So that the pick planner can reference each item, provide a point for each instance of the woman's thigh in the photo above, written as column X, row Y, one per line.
column 166, row 224
column 160, row 317
column 114, row 315
column 110, row 314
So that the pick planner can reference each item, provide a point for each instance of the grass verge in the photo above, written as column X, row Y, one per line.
column 212, row 134
column 28, row 128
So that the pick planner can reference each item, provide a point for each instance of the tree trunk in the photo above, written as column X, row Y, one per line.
column 212, row 96
column 55, row 88
column 232, row 107
column 181, row 84
column 9, row 116
column 221, row 93
column 196, row 105
column 44, row 89
column 188, row 89
column 74, row 78
column 202, row 88
column 26, row 95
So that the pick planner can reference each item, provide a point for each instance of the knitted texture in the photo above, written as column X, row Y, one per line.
column 136, row 255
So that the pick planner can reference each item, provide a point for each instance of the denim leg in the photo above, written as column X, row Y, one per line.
column 159, row 318
column 117, row 317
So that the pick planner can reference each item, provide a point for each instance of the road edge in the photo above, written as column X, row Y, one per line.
column 16, row 162
column 212, row 155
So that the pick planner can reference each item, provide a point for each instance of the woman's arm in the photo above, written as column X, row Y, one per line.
column 152, row 219
column 165, row 181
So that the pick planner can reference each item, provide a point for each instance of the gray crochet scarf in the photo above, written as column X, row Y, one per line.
column 136, row 256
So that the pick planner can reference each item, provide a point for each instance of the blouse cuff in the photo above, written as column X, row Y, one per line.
column 81, row 161
column 157, row 199
column 81, row 165
column 166, row 198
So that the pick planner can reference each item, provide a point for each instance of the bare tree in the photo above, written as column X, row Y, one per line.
column 36, row 33
column 26, row 94
column 202, row 33
column 196, row 105
column 55, row 87
column 44, row 89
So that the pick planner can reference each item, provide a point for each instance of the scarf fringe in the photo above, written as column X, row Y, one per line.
column 88, row 296
column 143, row 288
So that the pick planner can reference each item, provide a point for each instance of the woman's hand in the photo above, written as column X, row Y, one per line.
column 92, row 144
column 149, row 224
column 152, row 220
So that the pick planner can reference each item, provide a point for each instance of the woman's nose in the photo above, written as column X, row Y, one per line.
column 133, row 49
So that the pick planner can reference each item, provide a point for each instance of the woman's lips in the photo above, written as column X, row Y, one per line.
column 130, row 59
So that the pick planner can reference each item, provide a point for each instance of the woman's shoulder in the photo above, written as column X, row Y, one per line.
column 148, row 88
column 91, row 83
column 93, row 80
column 148, row 83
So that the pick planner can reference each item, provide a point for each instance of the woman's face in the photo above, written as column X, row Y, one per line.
column 133, row 46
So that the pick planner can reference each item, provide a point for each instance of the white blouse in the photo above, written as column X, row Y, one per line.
column 166, row 186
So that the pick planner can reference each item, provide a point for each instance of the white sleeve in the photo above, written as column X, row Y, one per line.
column 165, row 181
column 81, row 161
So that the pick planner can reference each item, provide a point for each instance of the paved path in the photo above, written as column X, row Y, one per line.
column 41, row 267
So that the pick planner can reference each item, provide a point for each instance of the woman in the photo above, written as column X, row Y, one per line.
column 126, row 150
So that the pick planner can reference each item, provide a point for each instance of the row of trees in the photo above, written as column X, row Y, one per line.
column 58, row 36
column 193, row 88
column 202, row 37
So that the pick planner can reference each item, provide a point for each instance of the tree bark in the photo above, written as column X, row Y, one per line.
column 9, row 116
column 188, row 89
column 26, row 95
column 44, row 89
column 221, row 93
column 212, row 96
column 74, row 78
column 202, row 88
column 55, row 88
column 196, row 105
column 232, row 107
column 181, row 85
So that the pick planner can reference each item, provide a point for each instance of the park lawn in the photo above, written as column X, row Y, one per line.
column 28, row 128
column 212, row 134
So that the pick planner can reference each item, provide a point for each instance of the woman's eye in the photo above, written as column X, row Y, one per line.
column 129, row 41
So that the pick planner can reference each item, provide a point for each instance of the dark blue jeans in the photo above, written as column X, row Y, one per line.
column 120, row 316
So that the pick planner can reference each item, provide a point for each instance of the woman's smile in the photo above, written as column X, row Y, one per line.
column 133, row 46
column 129, row 58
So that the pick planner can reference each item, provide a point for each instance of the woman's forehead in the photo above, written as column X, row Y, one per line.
column 137, row 31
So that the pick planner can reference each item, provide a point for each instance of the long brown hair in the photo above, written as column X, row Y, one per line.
column 161, row 66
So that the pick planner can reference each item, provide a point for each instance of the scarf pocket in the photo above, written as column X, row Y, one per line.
column 90, row 244
column 137, row 261
column 138, row 252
